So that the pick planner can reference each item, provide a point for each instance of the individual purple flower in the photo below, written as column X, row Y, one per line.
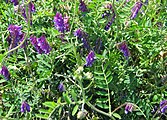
column 61, row 87
column 15, row 36
column 25, row 107
column 163, row 106
column 128, row 108
column 90, row 59
column 135, row 10
column 15, row 2
column 4, row 71
column 60, row 23
column 82, row 6
column 122, row 46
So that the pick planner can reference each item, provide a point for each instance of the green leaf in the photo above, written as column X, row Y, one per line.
column 74, row 95
column 99, row 77
column 116, row 115
column 66, row 98
column 45, row 111
column 1, row 57
column 50, row 104
column 10, row 111
column 42, row 116
column 75, row 109
column 2, row 81
column 102, row 93
column 102, row 105
column 139, row 113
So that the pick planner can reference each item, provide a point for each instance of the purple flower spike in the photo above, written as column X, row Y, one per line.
column 15, row 2
column 135, row 10
column 128, row 108
column 108, row 13
column 40, row 44
column 83, row 36
column 82, row 6
column 15, row 36
column 14, row 30
column 90, row 59
column 163, row 106
column 85, row 43
column 61, row 87
column 43, row 44
column 107, row 27
column 78, row 33
column 61, row 24
column 25, row 107
column 34, row 42
column 124, row 49
column 4, row 71
column 31, row 7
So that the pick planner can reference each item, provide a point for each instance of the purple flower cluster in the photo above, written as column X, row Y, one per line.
column 107, row 13
column 31, row 8
column 123, row 47
column 4, row 71
column 61, row 24
column 61, row 87
column 40, row 44
column 135, row 10
column 15, row 36
column 82, row 6
column 90, row 59
column 22, row 8
column 15, row 2
column 128, row 108
column 163, row 106
column 25, row 107
column 83, row 36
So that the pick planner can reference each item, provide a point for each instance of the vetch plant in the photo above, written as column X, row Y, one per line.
column 83, row 77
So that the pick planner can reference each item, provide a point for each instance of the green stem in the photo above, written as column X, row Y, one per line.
column 83, row 94
column 99, row 111
column 116, row 19
column 118, row 108
column 139, row 110
column 17, row 46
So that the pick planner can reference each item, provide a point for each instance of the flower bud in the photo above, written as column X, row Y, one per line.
column 81, row 114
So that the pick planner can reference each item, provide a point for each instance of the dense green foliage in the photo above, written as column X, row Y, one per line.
column 110, row 83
